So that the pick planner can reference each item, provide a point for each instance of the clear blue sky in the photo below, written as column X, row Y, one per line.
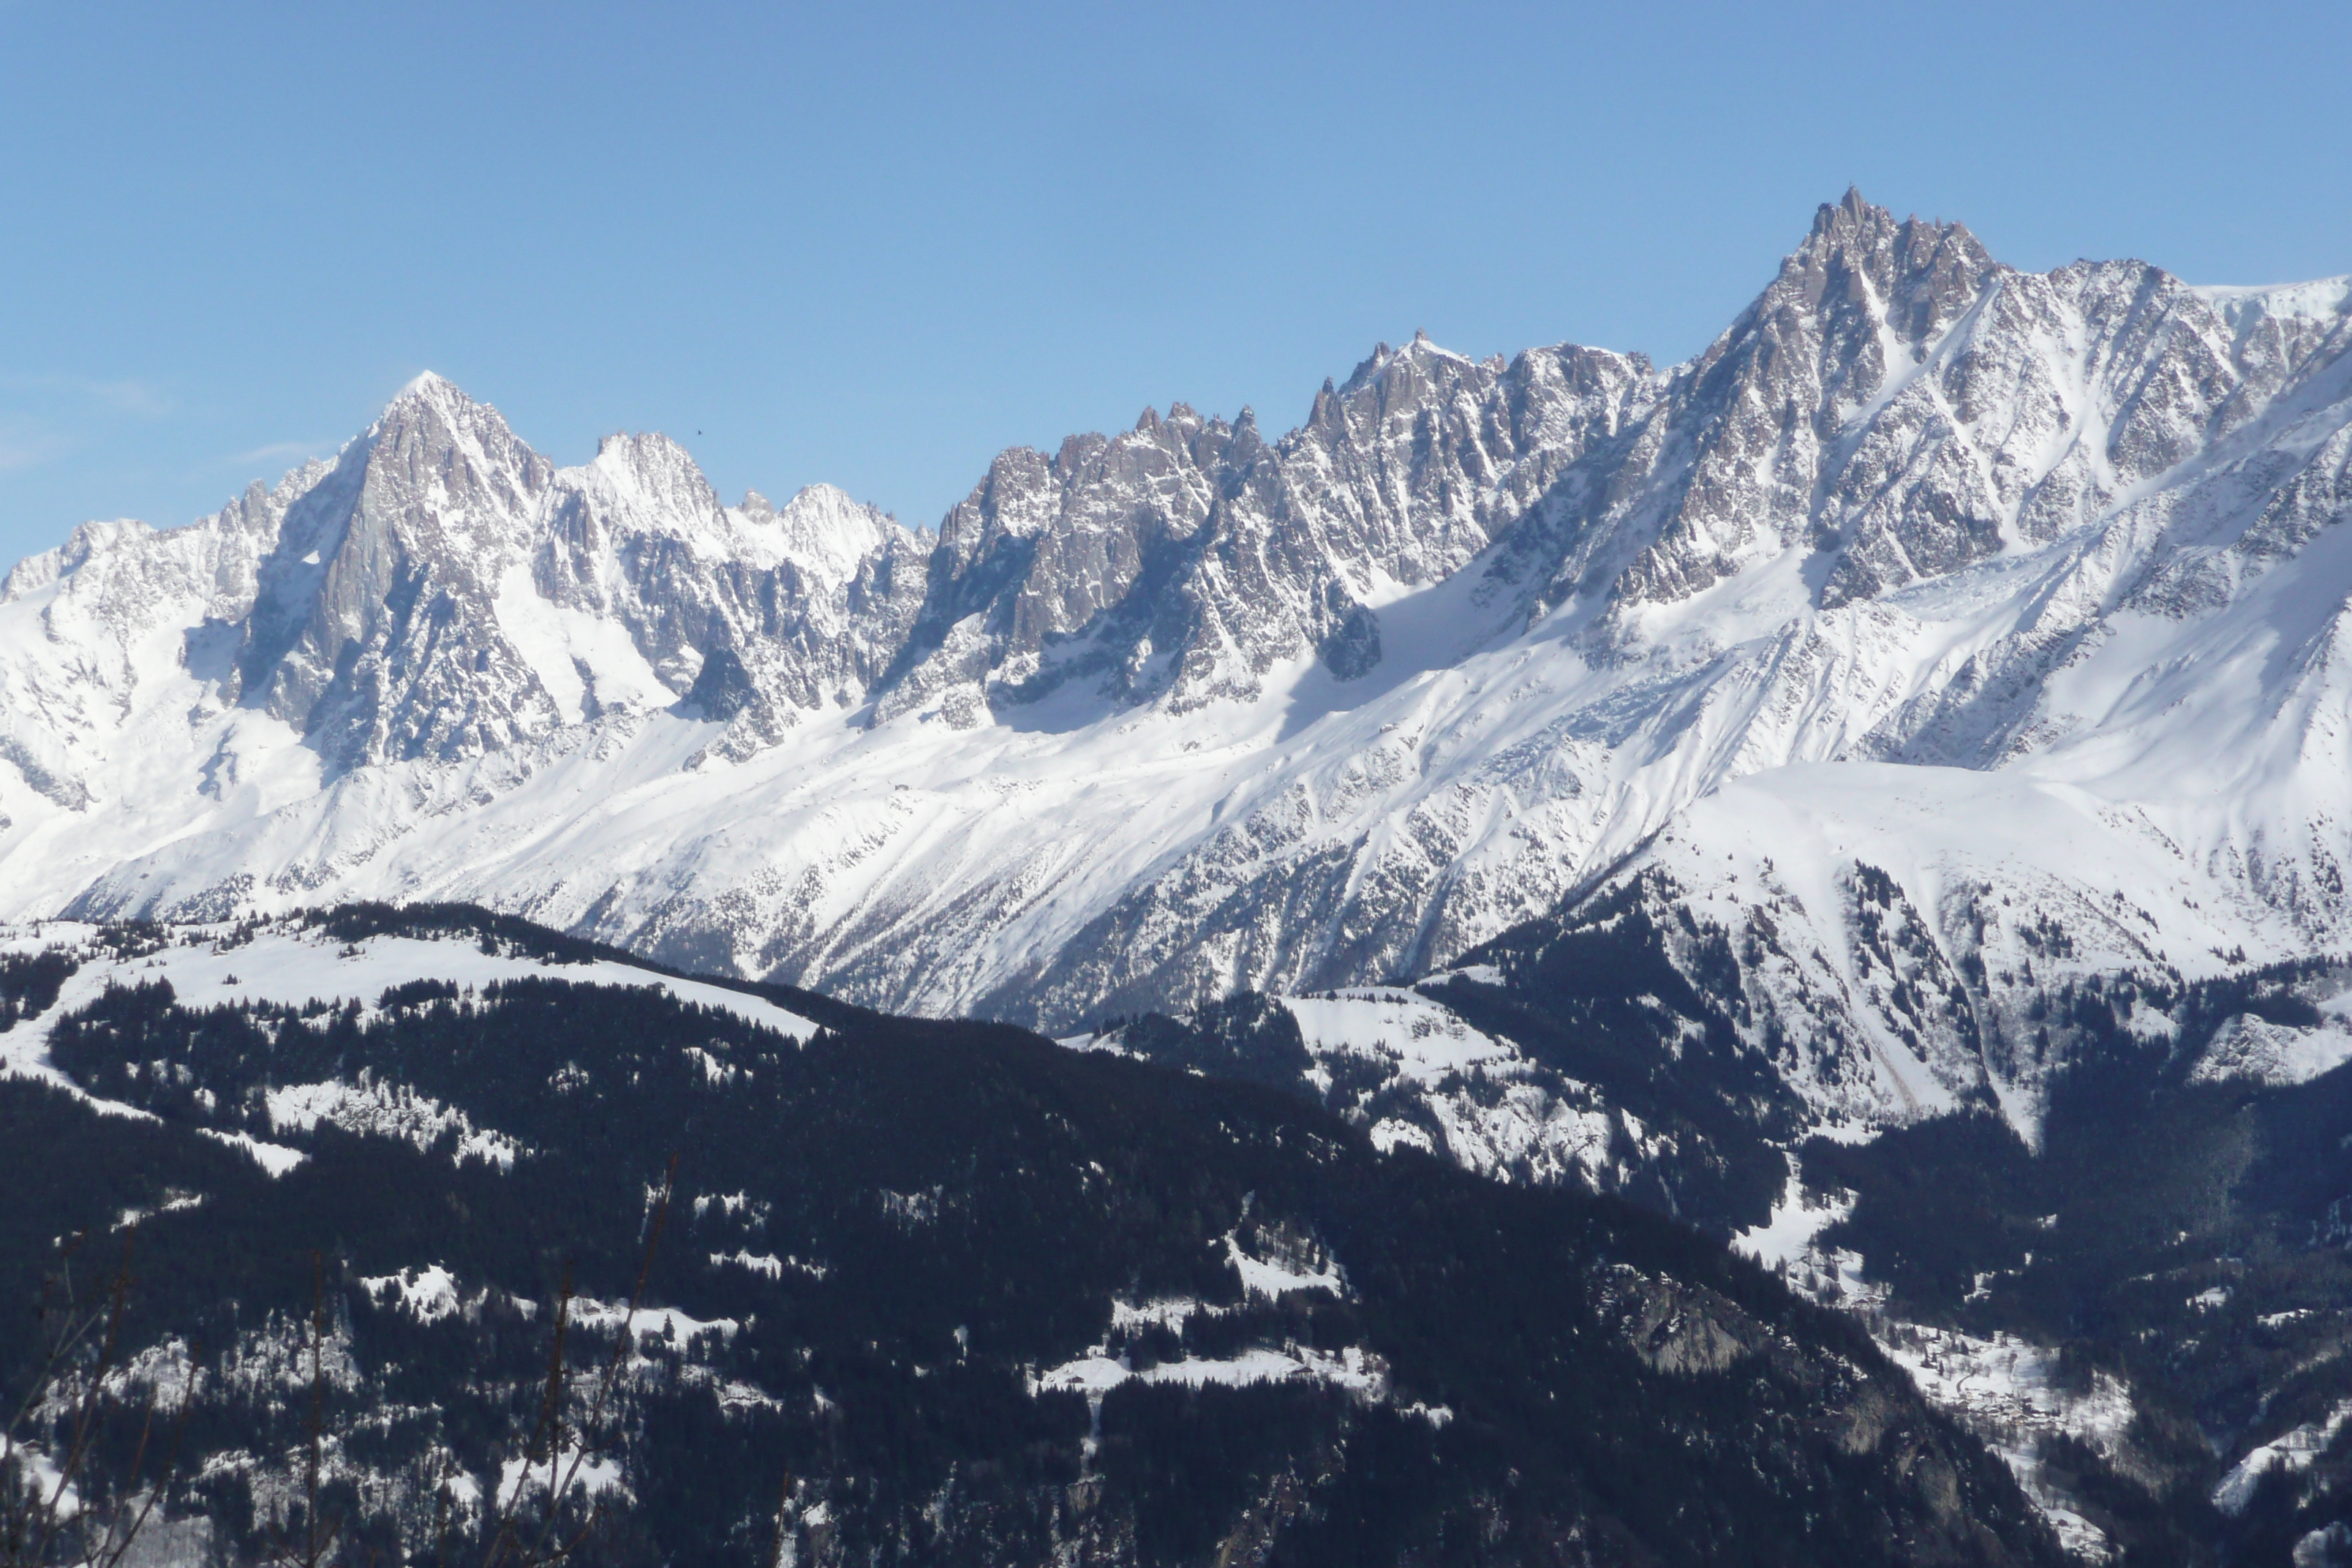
column 874, row 243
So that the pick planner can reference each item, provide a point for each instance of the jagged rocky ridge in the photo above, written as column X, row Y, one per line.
column 1935, row 604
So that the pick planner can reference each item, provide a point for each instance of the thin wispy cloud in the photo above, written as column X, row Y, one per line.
column 142, row 398
column 25, row 446
column 279, row 451
column 132, row 395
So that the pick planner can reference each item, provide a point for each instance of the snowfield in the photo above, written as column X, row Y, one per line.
column 292, row 965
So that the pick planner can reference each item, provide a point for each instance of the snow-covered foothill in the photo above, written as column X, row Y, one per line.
column 2291, row 1452
column 1424, row 1041
column 291, row 963
column 1478, row 1100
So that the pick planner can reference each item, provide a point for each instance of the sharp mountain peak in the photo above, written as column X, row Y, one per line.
column 1182, row 709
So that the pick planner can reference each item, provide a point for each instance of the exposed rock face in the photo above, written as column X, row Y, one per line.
column 1733, row 465
column 1184, row 561
column 1186, row 711
column 373, row 626
column 443, row 591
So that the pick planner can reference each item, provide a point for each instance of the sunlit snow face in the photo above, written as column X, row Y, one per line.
column 1086, row 749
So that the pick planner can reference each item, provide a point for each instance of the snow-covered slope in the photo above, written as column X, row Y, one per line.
column 2006, row 586
column 1414, row 1075
column 296, row 964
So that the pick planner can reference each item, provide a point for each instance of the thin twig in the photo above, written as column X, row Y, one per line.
column 550, row 1413
column 783, row 1507
column 314, row 1537
column 116, row 1551
column 625, row 1343
column 33, row 1522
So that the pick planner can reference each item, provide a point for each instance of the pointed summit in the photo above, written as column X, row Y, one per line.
column 1860, row 288
column 432, row 417
column 1843, row 224
column 1851, row 209
column 431, row 398
column 428, row 390
column 1868, row 236
column 432, row 402
column 1921, row 274
column 829, row 534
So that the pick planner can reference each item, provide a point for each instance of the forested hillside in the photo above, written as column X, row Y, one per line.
column 888, row 1290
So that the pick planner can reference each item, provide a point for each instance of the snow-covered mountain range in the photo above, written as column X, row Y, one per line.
column 1941, row 636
